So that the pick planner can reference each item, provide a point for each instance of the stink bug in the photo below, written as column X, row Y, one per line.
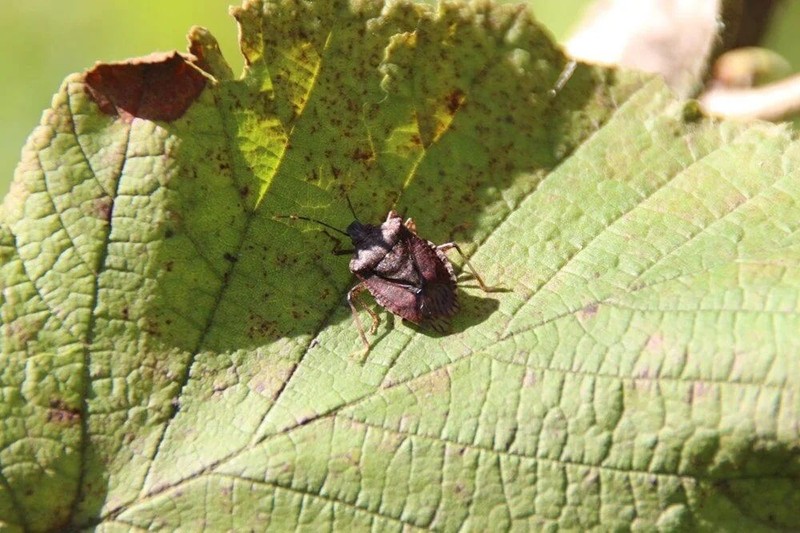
column 409, row 276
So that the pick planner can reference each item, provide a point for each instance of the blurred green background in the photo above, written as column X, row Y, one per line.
column 42, row 41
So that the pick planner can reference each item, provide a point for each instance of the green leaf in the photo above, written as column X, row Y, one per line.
column 174, row 356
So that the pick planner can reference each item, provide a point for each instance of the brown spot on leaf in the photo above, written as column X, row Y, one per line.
column 362, row 154
column 61, row 413
column 152, row 327
column 101, row 207
column 589, row 311
column 260, row 327
column 21, row 332
column 454, row 101
column 155, row 87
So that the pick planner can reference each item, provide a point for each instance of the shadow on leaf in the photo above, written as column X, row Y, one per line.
column 474, row 310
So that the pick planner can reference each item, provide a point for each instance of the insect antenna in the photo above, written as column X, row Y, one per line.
column 309, row 219
column 350, row 205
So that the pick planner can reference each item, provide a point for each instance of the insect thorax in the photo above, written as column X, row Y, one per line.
column 372, row 243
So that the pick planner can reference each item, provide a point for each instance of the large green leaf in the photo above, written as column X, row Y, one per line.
column 174, row 356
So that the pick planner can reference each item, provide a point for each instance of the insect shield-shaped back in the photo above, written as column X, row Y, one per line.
column 407, row 275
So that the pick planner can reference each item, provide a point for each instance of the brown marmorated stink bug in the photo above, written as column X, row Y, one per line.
column 408, row 275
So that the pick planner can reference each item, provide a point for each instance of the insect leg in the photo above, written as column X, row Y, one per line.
column 411, row 225
column 449, row 246
column 351, row 299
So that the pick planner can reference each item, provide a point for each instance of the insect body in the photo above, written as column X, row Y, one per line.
column 409, row 276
